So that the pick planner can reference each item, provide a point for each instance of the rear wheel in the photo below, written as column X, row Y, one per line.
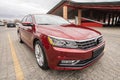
column 40, row 56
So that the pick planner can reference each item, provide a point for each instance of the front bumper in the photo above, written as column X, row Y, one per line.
column 86, row 57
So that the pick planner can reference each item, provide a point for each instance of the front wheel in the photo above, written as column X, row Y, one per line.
column 40, row 56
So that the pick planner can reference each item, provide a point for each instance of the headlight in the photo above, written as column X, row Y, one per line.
column 62, row 43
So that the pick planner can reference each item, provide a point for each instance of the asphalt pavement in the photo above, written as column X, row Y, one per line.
column 17, row 61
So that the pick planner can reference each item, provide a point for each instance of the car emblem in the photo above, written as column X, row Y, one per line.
column 96, row 41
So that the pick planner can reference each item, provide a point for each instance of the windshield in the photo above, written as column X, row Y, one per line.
column 50, row 20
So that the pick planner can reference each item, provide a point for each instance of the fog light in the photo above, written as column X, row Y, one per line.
column 69, row 61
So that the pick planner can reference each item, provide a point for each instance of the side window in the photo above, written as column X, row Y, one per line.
column 29, row 19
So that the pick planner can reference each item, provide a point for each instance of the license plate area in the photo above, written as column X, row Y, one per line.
column 11, row 25
column 97, row 52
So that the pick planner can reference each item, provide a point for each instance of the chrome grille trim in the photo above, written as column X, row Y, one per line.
column 75, row 40
column 89, row 43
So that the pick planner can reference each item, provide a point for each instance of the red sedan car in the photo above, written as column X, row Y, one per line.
column 58, row 44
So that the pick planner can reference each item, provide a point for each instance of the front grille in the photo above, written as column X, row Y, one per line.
column 97, row 52
column 100, row 39
column 89, row 43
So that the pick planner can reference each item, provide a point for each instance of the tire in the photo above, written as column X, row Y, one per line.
column 19, row 37
column 40, row 56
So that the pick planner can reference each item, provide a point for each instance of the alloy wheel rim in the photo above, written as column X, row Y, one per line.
column 39, row 54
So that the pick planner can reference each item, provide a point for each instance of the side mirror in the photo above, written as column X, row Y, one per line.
column 27, row 24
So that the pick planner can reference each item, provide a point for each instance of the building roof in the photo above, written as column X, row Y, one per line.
column 61, row 3
column 113, row 5
column 105, row 3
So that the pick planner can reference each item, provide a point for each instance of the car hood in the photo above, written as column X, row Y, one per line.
column 68, row 31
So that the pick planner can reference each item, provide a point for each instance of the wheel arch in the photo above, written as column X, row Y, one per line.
column 35, row 39
column 46, row 57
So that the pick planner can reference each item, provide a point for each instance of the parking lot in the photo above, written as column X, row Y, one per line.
column 17, row 61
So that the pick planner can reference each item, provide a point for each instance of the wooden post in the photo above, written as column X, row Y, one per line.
column 65, row 13
column 113, row 19
column 91, row 14
column 79, row 16
column 109, row 18
column 104, row 18
column 116, row 19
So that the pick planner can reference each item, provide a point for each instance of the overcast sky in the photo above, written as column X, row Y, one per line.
column 19, row 8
